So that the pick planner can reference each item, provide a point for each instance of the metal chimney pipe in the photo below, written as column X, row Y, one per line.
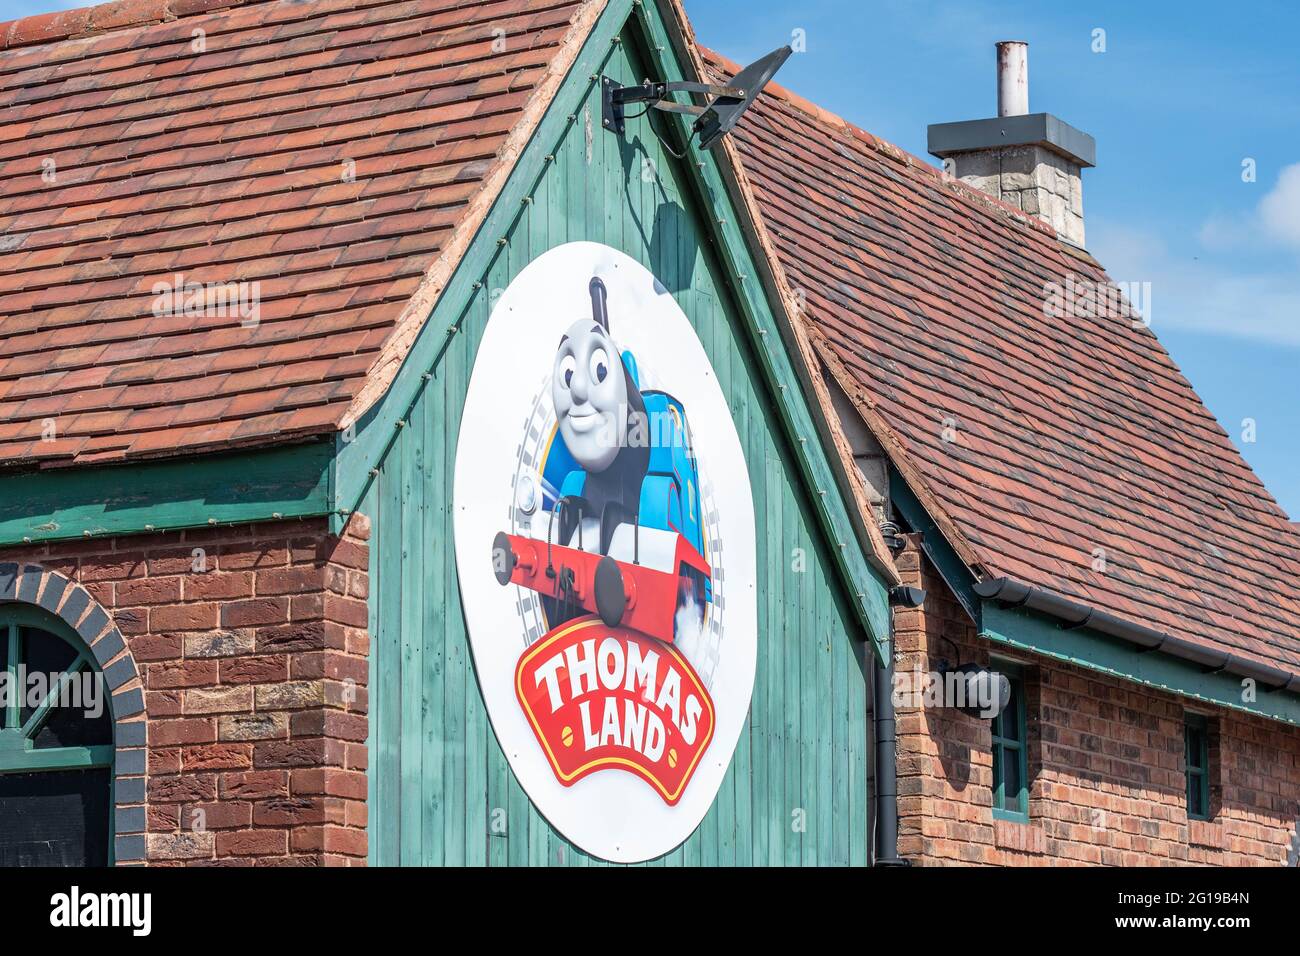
column 1013, row 78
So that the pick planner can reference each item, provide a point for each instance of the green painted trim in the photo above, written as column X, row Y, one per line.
column 17, row 752
column 934, row 545
column 1028, row 631
column 363, row 450
column 59, row 758
column 13, row 705
column 238, row 488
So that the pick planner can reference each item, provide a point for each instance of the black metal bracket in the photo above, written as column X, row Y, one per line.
column 614, row 99
column 1075, row 625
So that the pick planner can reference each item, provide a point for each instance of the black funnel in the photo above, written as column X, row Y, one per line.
column 599, row 311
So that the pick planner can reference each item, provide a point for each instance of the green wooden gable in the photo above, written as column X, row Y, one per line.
column 550, row 199
column 441, row 791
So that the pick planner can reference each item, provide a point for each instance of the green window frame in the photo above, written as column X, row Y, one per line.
column 1011, row 752
column 1196, row 750
column 18, row 753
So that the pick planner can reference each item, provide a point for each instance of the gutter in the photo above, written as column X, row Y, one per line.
column 1073, row 615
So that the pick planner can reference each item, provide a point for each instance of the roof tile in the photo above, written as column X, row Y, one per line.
column 1073, row 437
column 325, row 150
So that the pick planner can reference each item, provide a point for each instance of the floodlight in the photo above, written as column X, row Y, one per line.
column 713, row 120
column 724, row 113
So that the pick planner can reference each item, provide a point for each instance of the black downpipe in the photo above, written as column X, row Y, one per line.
column 886, row 767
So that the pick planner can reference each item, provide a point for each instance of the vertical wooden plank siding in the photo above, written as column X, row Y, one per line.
column 441, row 790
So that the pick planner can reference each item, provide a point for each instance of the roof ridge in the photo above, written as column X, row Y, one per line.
column 898, row 155
column 104, row 18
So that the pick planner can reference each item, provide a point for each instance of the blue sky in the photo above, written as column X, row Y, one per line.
column 1183, row 94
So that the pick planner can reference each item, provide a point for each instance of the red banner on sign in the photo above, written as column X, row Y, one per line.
column 609, row 698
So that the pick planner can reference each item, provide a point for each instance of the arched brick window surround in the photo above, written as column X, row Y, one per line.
column 71, row 603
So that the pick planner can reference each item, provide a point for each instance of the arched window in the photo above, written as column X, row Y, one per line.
column 56, row 745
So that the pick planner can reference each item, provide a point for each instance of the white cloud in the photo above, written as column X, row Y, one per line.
column 1274, row 222
column 1279, row 211
column 1221, row 233
column 1246, row 281
column 1200, row 293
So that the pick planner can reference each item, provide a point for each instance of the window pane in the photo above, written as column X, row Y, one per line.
column 73, row 726
column 45, row 654
column 1007, row 724
column 1011, row 778
column 1195, row 743
column 997, row 776
column 1196, row 748
column 1195, row 801
column 1013, row 712
column 54, row 819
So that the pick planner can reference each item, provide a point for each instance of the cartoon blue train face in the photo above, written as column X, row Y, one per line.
column 620, row 482
column 593, row 391
column 625, row 448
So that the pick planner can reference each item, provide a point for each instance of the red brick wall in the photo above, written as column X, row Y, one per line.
column 253, row 656
column 1105, row 762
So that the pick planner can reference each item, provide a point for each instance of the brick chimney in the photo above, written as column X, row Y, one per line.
column 1032, row 160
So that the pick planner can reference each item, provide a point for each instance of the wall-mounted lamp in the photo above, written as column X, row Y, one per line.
column 975, row 690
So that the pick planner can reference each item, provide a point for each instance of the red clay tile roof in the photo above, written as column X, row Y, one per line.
column 1071, row 434
column 340, row 154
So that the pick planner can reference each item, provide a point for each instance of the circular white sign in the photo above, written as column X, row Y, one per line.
column 605, row 546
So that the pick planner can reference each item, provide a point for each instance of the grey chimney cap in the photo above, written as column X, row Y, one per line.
column 1032, row 129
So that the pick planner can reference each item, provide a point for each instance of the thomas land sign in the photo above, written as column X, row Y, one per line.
column 605, row 545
